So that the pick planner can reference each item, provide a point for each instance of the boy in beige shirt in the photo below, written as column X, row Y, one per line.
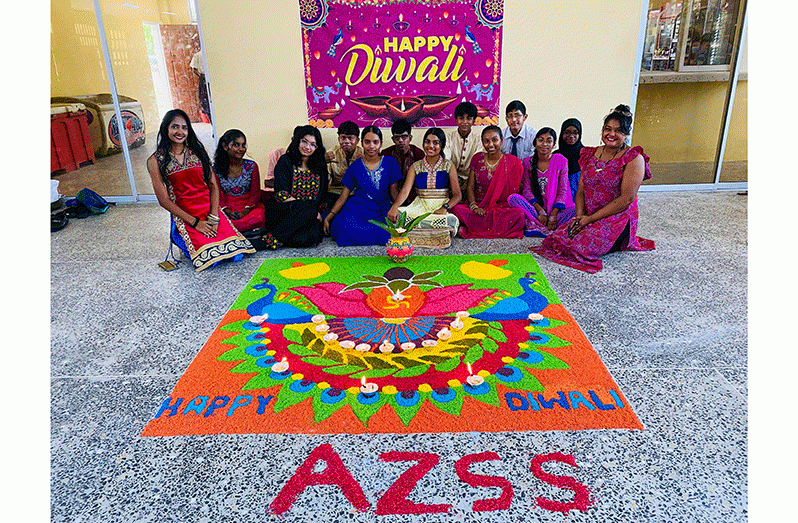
column 463, row 143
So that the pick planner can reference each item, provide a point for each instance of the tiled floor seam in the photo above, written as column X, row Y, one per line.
column 731, row 385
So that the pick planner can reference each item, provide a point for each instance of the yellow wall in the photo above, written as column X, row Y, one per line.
column 562, row 59
column 77, row 66
column 680, row 122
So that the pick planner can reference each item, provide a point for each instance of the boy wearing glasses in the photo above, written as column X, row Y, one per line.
column 404, row 152
column 519, row 138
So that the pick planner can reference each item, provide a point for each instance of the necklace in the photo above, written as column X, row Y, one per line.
column 181, row 153
column 604, row 147
column 431, row 169
column 492, row 166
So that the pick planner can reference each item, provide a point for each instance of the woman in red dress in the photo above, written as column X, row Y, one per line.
column 606, row 201
column 493, row 177
column 239, row 182
column 185, row 185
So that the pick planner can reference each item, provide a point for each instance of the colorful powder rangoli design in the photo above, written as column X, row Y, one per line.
column 362, row 345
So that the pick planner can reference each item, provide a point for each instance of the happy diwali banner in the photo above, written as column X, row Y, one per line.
column 376, row 61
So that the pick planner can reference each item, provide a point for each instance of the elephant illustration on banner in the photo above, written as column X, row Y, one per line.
column 324, row 92
column 481, row 90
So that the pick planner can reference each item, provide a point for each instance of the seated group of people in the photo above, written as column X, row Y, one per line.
column 491, row 184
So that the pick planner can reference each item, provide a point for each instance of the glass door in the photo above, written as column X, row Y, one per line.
column 684, row 86
column 85, row 150
column 156, row 64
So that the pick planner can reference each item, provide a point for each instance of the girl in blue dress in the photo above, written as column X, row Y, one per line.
column 370, row 185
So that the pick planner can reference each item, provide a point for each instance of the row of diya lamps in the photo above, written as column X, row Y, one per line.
column 385, row 347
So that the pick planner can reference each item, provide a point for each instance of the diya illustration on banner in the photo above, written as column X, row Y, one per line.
column 376, row 61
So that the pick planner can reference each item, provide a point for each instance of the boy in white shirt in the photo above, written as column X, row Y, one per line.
column 463, row 143
column 519, row 138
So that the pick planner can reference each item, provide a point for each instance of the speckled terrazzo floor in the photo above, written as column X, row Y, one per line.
column 670, row 325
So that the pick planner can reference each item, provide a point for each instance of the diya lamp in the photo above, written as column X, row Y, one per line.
column 429, row 343
column 444, row 334
column 408, row 345
column 363, row 347
column 281, row 366
column 475, row 380
column 386, row 347
column 257, row 320
column 367, row 388
column 401, row 25
column 330, row 337
column 347, row 344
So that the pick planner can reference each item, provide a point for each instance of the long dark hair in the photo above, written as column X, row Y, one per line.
column 533, row 164
column 316, row 162
column 440, row 135
column 192, row 143
column 221, row 158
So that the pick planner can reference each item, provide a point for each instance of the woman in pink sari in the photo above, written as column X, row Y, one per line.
column 606, row 201
column 494, row 176
column 185, row 185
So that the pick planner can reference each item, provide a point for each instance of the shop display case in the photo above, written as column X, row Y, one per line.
column 662, row 38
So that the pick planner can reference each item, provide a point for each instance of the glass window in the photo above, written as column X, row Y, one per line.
column 662, row 37
column 735, row 157
column 711, row 32
column 706, row 45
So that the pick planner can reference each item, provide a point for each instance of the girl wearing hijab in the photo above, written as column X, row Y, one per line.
column 570, row 144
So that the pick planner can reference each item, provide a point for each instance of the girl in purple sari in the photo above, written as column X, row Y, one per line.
column 606, row 201
column 545, row 195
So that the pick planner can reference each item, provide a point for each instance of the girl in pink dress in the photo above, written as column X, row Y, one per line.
column 493, row 177
column 545, row 196
column 239, row 182
column 606, row 201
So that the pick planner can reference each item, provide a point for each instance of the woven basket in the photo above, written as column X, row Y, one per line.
column 431, row 238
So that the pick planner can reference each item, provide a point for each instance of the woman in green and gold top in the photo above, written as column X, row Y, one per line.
column 437, row 186
column 300, row 182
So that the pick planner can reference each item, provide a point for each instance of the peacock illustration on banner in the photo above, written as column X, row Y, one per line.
column 361, row 334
